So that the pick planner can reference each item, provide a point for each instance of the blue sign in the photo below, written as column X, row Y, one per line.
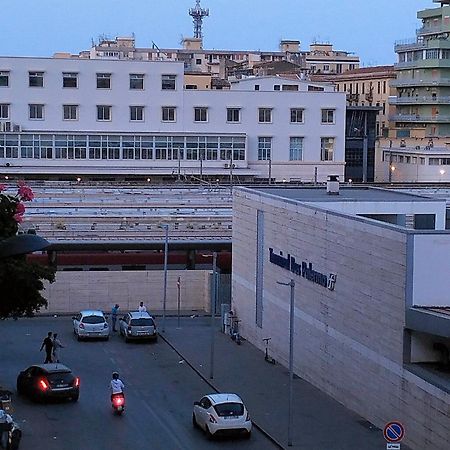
column 394, row 431
column 303, row 269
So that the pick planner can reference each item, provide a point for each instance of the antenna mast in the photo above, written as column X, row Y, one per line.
column 197, row 14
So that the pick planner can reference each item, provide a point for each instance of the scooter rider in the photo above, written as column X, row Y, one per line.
column 116, row 386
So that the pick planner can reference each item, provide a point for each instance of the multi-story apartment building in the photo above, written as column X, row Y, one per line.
column 369, row 86
column 66, row 117
column 423, row 77
column 320, row 58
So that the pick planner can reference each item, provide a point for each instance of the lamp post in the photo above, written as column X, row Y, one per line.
column 178, row 299
column 291, row 356
column 270, row 168
column 213, row 307
column 166, row 249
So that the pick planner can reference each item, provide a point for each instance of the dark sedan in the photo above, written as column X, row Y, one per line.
column 45, row 381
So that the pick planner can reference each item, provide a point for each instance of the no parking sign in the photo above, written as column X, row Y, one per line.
column 394, row 432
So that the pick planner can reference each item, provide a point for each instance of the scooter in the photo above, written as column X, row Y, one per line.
column 118, row 403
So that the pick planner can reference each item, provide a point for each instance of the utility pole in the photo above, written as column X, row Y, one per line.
column 213, row 307
column 166, row 250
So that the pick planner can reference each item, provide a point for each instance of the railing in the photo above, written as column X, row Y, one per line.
column 427, row 29
column 419, row 118
column 409, row 44
column 418, row 100
column 423, row 82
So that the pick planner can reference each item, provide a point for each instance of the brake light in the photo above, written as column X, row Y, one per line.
column 76, row 383
column 43, row 385
column 212, row 419
column 82, row 326
column 118, row 401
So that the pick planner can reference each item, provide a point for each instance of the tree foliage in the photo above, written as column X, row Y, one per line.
column 21, row 281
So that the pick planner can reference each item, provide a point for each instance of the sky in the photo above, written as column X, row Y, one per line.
column 367, row 28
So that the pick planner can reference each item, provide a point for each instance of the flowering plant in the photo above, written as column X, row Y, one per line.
column 12, row 208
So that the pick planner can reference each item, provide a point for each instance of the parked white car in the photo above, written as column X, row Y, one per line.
column 219, row 414
column 90, row 324
column 138, row 325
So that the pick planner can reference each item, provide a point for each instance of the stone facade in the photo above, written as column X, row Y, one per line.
column 74, row 291
column 348, row 342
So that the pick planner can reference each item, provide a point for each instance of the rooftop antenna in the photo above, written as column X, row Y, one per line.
column 197, row 14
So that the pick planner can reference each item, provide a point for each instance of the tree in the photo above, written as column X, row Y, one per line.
column 21, row 281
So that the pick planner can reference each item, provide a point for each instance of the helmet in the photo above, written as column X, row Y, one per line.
column 115, row 375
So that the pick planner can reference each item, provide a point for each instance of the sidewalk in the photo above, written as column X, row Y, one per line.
column 320, row 423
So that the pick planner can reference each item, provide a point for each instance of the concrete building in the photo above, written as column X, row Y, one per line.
column 423, row 77
column 371, row 297
column 369, row 86
column 65, row 117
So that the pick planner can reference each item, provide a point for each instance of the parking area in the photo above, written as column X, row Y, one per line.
column 160, row 391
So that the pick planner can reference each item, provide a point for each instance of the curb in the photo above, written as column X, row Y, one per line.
column 212, row 386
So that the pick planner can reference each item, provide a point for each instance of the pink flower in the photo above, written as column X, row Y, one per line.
column 20, row 208
column 18, row 218
column 2, row 187
column 25, row 193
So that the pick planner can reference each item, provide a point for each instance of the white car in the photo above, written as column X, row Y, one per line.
column 90, row 324
column 219, row 414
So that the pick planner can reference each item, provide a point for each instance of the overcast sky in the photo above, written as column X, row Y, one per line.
column 368, row 28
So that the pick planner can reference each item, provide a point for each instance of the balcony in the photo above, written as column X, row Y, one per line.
column 402, row 82
column 420, row 100
column 409, row 44
column 433, row 29
column 411, row 118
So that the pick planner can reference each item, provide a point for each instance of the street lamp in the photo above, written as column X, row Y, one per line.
column 391, row 172
column 166, row 248
column 442, row 172
column 213, row 307
column 291, row 356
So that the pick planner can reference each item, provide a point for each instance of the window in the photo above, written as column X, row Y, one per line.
column 265, row 115
column 191, row 86
column 168, row 82
column 296, row 149
column 103, row 112
column 70, row 112
column 296, row 115
column 36, row 79
column 327, row 115
column 434, row 161
column 4, row 111
column 264, row 148
column 4, row 79
column 70, row 80
column 198, row 61
column 136, row 81
column 36, row 112
column 289, row 87
column 233, row 115
column 136, row 113
column 200, row 114
column 326, row 148
column 276, row 87
column 103, row 81
column 256, row 87
column 168, row 114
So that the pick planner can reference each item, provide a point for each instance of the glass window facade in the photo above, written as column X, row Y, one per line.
column 296, row 149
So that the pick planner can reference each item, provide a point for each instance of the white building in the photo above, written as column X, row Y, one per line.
column 371, row 298
column 73, row 117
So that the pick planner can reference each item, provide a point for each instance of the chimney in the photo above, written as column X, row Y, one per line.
column 333, row 185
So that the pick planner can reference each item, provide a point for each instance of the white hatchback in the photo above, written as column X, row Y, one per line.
column 90, row 324
column 219, row 414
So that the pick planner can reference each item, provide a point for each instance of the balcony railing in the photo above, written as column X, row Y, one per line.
column 419, row 100
column 436, row 29
column 420, row 82
column 419, row 118
column 409, row 44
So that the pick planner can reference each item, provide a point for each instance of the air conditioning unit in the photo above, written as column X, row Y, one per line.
column 227, row 166
column 17, row 128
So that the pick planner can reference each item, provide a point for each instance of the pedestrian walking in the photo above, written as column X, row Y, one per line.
column 114, row 312
column 142, row 307
column 48, row 344
column 56, row 346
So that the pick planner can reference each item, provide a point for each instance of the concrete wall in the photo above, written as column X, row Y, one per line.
column 348, row 342
column 73, row 291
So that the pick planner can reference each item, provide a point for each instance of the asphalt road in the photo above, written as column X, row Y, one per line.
column 160, row 391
